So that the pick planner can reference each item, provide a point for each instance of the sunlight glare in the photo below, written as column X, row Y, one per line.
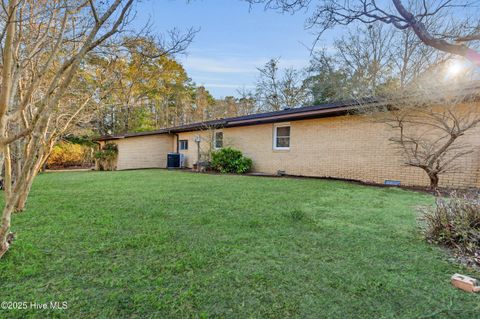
column 455, row 68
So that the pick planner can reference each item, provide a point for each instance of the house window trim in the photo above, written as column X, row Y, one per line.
column 215, row 139
column 180, row 143
column 281, row 148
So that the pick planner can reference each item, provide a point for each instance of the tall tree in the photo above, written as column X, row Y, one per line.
column 246, row 103
column 366, row 57
column 204, row 103
column 369, row 61
column 327, row 81
column 275, row 91
column 149, row 91
column 43, row 47
column 268, row 86
column 458, row 36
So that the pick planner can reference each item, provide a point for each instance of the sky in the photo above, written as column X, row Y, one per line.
column 233, row 40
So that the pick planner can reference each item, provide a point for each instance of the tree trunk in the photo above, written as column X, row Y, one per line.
column 22, row 200
column 5, row 237
column 23, row 194
column 40, row 157
column 10, row 200
column 433, row 180
column 5, row 95
column 2, row 173
column 17, row 194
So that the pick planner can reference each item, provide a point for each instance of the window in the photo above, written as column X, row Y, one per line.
column 281, row 138
column 218, row 139
column 183, row 145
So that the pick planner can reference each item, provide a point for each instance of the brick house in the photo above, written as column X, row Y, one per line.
column 328, row 140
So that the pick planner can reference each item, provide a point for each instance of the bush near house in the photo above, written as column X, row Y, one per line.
column 106, row 157
column 66, row 154
column 230, row 160
column 454, row 222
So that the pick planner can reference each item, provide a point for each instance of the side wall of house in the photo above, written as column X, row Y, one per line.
column 206, row 146
column 349, row 147
column 144, row 151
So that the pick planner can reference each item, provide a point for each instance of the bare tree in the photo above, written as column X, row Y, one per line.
column 458, row 35
column 44, row 45
column 428, row 126
column 411, row 58
column 369, row 61
column 75, row 111
column 276, row 91
column 268, row 86
column 365, row 56
column 294, row 93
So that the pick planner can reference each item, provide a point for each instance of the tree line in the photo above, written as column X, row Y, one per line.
column 146, row 92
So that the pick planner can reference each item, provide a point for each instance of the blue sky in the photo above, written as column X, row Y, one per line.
column 232, row 41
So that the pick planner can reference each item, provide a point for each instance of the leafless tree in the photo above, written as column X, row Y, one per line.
column 275, row 91
column 458, row 35
column 365, row 62
column 368, row 61
column 268, row 86
column 428, row 126
column 366, row 56
column 294, row 93
column 412, row 59
column 43, row 48
column 43, row 45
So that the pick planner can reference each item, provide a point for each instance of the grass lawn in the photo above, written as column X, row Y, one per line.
column 160, row 244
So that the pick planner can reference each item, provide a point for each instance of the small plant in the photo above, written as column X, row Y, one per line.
column 454, row 222
column 230, row 160
column 106, row 157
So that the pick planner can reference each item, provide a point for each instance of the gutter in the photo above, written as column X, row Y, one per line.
column 255, row 121
column 225, row 123
column 177, row 141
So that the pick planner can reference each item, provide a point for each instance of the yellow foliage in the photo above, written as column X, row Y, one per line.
column 67, row 154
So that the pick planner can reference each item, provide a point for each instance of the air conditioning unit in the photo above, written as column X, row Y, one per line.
column 175, row 160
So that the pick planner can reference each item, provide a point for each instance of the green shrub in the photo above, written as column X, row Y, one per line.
column 82, row 140
column 106, row 157
column 108, row 151
column 454, row 222
column 230, row 160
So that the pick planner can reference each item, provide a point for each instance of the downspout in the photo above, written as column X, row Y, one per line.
column 176, row 138
column 99, row 149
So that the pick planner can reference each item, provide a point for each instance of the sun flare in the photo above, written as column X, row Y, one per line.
column 455, row 68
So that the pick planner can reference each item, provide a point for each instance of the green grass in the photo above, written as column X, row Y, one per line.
column 160, row 244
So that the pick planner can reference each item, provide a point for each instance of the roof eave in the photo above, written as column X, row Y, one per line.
column 292, row 116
